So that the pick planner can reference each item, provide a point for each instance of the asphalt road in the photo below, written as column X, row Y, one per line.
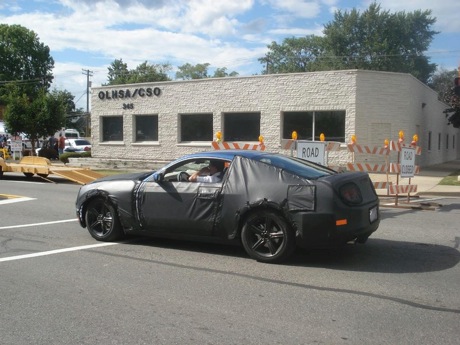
column 59, row 286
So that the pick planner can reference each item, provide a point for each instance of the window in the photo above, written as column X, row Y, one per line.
column 242, row 127
column 146, row 128
column 453, row 141
column 112, row 128
column 447, row 141
column 429, row 141
column 196, row 127
column 301, row 122
column 309, row 124
column 439, row 141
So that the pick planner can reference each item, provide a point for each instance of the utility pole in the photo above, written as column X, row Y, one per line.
column 88, row 85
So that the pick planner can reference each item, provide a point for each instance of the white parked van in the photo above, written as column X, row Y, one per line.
column 69, row 133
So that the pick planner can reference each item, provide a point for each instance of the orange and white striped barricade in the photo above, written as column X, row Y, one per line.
column 403, row 189
column 397, row 146
column 368, row 167
column 396, row 168
column 237, row 146
column 289, row 144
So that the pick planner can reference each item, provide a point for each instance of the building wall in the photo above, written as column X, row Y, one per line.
column 377, row 106
column 391, row 102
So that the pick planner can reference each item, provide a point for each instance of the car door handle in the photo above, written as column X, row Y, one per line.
column 208, row 192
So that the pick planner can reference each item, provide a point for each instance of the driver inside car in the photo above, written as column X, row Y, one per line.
column 210, row 174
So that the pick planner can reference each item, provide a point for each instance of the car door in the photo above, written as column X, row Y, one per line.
column 180, row 207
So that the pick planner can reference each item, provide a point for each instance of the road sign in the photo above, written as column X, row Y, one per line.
column 407, row 162
column 16, row 143
column 312, row 151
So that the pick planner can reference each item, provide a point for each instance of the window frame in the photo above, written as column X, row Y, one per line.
column 206, row 137
column 315, row 118
column 103, row 124
column 136, row 140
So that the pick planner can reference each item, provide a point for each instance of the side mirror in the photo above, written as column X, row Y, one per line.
column 158, row 177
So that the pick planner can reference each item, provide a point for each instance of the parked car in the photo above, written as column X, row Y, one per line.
column 269, row 203
column 77, row 145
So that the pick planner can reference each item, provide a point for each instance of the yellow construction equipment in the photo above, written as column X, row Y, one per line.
column 42, row 167
column 4, row 153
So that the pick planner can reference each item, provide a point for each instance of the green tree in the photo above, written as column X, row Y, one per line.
column 294, row 55
column 374, row 39
column 118, row 73
column 37, row 118
column 222, row 72
column 188, row 71
column 24, row 59
column 200, row 71
column 143, row 73
column 146, row 72
column 380, row 40
column 443, row 83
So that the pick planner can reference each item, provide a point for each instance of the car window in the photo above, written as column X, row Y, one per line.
column 297, row 166
column 81, row 142
column 189, row 166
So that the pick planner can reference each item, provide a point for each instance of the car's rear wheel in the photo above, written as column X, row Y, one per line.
column 102, row 221
column 28, row 175
column 267, row 237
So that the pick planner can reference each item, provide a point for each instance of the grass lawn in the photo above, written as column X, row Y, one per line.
column 451, row 180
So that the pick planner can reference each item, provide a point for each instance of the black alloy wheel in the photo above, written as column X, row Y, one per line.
column 267, row 237
column 102, row 221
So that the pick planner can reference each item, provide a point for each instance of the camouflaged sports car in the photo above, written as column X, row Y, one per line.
column 270, row 203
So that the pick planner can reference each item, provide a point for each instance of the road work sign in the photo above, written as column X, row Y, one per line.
column 312, row 151
column 407, row 162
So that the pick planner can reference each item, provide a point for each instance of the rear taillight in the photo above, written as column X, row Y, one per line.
column 351, row 194
column 87, row 148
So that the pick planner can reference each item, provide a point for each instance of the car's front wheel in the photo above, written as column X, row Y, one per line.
column 267, row 237
column 102, row 221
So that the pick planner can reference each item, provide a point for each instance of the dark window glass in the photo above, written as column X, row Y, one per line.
column 242, row 127
column 301, row 122
column 429, row 141
column 330, row 123
column 296, row 166
column 146, row 128
column 196, row 127
column 112, row 128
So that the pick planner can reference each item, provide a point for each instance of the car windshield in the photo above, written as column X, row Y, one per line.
column 81, row 142
column 296, row 166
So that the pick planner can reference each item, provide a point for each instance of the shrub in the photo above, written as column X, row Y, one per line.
column 64, row 158
column 48, row 153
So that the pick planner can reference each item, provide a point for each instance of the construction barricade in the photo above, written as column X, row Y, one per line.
column 366, row 158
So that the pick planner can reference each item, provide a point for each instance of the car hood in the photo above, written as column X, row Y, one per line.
column 137, row 176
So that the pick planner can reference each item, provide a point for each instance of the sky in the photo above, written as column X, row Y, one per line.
column 88, row 35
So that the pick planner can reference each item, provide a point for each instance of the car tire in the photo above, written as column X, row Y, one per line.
column 102, row 221
column 267, row 237
column 28, row 175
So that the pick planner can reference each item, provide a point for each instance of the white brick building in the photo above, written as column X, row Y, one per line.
column 164, row 120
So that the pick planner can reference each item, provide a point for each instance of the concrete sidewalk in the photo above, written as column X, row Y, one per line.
column 428, row 180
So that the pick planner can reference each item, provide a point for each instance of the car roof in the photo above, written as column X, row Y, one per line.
column 225, row 154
